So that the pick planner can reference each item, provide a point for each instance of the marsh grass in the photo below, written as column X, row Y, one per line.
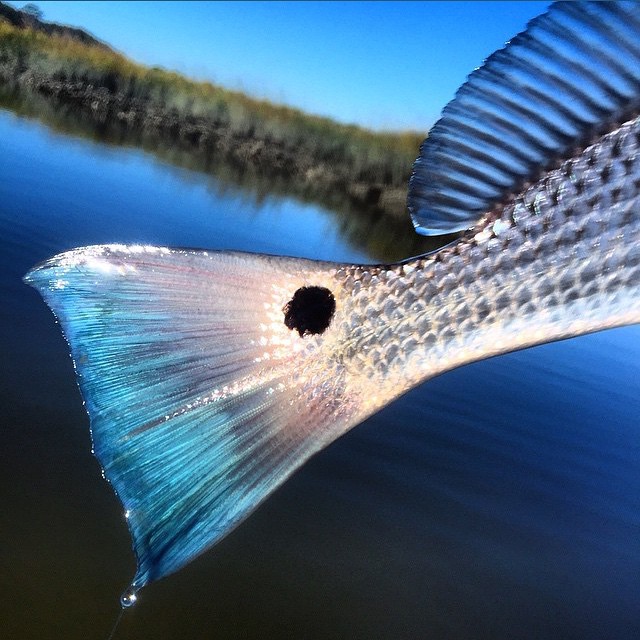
column 382, row 158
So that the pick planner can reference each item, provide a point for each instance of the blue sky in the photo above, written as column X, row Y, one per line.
column 380, row 64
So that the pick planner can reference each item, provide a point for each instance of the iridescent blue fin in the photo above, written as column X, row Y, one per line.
column 200, row 398
column 573, row 74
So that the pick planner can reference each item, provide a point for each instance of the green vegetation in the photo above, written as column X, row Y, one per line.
column 318, row 148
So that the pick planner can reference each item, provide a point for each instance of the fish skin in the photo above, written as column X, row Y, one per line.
column 559, row 259
column 203, row 401
column 562, row 259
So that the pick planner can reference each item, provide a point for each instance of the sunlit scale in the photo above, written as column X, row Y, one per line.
column 203, row 400
column 491, row 299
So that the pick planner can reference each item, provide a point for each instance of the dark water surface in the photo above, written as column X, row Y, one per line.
column 501, row 500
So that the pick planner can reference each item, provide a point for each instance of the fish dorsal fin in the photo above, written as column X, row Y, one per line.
column 573, row 74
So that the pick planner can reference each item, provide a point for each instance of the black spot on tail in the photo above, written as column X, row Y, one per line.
column 310, row 310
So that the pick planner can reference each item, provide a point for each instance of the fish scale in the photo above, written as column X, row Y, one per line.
column 555, row 245
column 205, row 388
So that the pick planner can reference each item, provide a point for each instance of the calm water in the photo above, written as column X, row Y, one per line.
column 501, row 500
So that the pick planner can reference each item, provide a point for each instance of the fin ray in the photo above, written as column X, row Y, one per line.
column 574, row 72
column 196, row 414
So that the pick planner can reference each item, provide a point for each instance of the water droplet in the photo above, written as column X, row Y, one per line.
column 129, row 597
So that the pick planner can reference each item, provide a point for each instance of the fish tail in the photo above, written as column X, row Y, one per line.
column 208, row 380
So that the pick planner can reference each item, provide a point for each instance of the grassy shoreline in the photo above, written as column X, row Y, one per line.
column 372, row 168
column 378, row 232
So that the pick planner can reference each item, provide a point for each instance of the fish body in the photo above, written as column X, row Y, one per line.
column 206, row 388
column 562, row 259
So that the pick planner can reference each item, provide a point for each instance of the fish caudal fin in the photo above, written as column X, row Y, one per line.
column 202, row 399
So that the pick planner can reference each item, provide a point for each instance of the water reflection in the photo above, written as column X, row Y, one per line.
column 385, row 235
